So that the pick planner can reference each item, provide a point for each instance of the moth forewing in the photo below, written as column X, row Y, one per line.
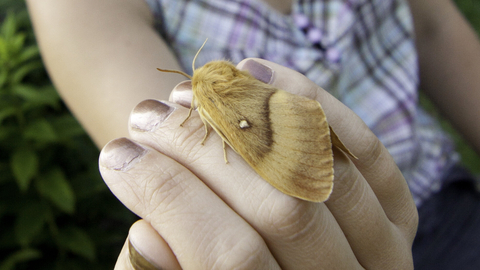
column 339, row 144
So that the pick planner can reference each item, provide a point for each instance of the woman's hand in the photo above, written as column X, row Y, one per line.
column 200, row 213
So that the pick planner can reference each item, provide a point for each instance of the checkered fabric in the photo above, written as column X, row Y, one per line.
column 361, row 51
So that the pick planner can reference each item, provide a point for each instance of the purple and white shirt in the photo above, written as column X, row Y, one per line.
column 361, row 51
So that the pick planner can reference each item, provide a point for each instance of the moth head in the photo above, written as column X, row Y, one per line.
column 217, row 74
column 217, row 70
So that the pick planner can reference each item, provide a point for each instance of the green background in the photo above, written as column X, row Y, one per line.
column 55, row 210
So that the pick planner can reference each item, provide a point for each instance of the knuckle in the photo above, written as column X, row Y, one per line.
column 400, row 259
column 163, row 187
column 188, row 140
column 346, row 181
column 409, row 225
column 290, row 219
column 373, row 150
column 247, row 252
column 190, row 135
column 395, row 253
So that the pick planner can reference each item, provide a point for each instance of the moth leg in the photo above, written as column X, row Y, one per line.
column 192, row 105
column 225, row 152
column 188, row 116
column 207, row 132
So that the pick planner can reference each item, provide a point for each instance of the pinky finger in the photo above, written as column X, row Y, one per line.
column 145, row 249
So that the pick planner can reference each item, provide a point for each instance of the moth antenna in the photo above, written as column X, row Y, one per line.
column 195, row 58
column 175, row 71
column 193, row 64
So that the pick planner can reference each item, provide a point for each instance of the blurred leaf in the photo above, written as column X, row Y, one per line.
column 15, row 44
column 6, row 132
column 54, row 186
column 28, row 53
column 66, row 126
column 88, row 183
column 23, row 70
column 78, row 242
column 3, row 76
column 9, row 26
column 4, row 55
column 6, row 174
column 7, row 112
column 471, row 10
column 24, row 163
column 9, row 4
column 46, row 95
column 76, row 263
column 29, row 222
column 40, row 131
column 22, row 255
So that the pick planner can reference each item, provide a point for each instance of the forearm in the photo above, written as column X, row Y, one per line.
column 102, row 57
column 449, row 55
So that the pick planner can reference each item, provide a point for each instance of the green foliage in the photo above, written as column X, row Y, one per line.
column 471, row 10
column 55, row 210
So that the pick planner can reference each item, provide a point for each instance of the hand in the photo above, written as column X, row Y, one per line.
column 200, row 213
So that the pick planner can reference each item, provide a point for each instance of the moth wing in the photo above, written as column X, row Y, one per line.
column 300, row 158
column 339, row 144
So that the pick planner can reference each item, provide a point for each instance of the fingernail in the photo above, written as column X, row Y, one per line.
column 182, row 94
column 148, row 114
column 259, row 71
column 120, row 154
column 138, row 261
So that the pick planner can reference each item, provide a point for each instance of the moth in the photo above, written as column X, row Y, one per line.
column 284, row 137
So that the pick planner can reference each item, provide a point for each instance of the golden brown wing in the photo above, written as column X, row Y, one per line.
column 299, row 161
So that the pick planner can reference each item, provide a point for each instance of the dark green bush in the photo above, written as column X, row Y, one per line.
column 55, row 210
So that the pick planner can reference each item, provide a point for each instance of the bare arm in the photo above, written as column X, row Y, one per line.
column 102, row 56
column 449, row 54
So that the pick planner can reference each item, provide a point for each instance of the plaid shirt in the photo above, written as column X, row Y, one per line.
column 361, row 51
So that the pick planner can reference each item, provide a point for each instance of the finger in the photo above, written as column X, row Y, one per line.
column 374, row 162
column 199, row 228
column 145, row 249
column 148, row 250
column 123, row 260
column 375, row 240
column 182, row 94
column 301, row 235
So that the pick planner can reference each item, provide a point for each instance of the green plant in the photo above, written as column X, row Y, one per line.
column 55, row 211
column 471, row 10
